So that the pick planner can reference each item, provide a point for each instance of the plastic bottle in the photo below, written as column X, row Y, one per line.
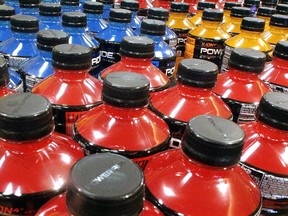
column 240, row 87
column 197, row 19
column 265, row 13
column 165, row 4
column 4, row 79
column 192, row 7
column 39, row 67
column 227, row 10
column 50, row 15
column 5, row 14
column 269, row 3
column 94, row 13
column 114, row 185
column 195, row 80
column 133, row 131
column 282, row 2
column 267, row 138
column 136, row 55
column 253, row 5
column 249, row 37
column 111, row 37
column 75, row 23
column 164, row 55
column 203, row 178
column 133, row 6
column 179, row 23
column 107, row 5
column 162, row 14
column 14, row 4
column 275, row 73
column 282, row 9
column 71, row 90
column 236, row 16
column 70, row 6
column 207, row 41
column 144, row 6
column 37, row 160
column 30, row 7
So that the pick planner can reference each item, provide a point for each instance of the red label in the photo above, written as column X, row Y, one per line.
column 70, row 119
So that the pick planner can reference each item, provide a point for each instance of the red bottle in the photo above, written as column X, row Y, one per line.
column 191, row 97
column 35, row 160
column 203, row 178
column 4, row 79
column 123, row 124
column 136, row 56
column 71, row 90
column 264, row 154
column 113, row 185
column 240, row 87
column 275, row 73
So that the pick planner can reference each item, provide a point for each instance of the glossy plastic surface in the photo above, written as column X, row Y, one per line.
column 5, row 91
column 275, row 34
column 15, row 82
column 33, row 12
column 232, row 26
column 51, row 22
column 5, row 30
column 135, row 21
column 95, row 23
column 13, row 3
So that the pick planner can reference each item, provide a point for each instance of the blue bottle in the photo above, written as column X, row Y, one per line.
column 165, row 56
column 50, row 15
column 14, row 4
column 51, row 1
column 39, row 67
column 111, row 37
column 133, row 6
column 75, row 23
column 94, row 13
column 5, row 14
column 15, row 81
column 70, row 5
column 107, row 5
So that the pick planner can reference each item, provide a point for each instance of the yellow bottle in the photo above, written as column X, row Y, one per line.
column 265, row 13
column 197, row 19
column 207, row 40
column 180, row 24
column 249, row 37
column 227, row 10
column 236, row 16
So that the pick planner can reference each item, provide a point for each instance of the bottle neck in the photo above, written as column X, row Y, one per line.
column 271, row 133
column 242, row 75
column 236, row 20
column 70, row 30
column 278, row 30
column 5, row 23
column 178, row 15
column 279, row 62
column 71, row 75
column 250, row 34
column 50, row 18
column 94, row 16
column 30, row 11
column 24, row 36
column 45, row 54
column 119, row 25
column 136, row 62
column 191, row 91
column 156, row 38
column 123, row 112
column 211, row 24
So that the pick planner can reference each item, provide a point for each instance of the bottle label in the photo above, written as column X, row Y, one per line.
column 181, row 41
column 172, row 43
column 109, row 52
column 96, row 61
column 167, row 66
column 14, row 62
column 227, row 53
column 274, row 189
column 31, row 81
column 277, row 88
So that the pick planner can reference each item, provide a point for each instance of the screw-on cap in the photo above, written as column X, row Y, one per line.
column 71, row 57
column 269, row 3
column 74, row 19
column 24, row 23
column 213, row 140
column 212, row 15
column 153, row 27
column 120, row 15
column 179, row 7
column 281, row 50
column 247, row 60
column 107, row 1
column 273, row 110
column 126, row 89
column 252, row 24
column 250, row 3
column 47, row 39
column 25, row 116
column 70, row 2
column 197, row 73
column 49, row 9
column 29, row 3
column 4, row 75
column 240, row 12
column 131, row 5
column 93, row 7
column 229, row 5
column 283, row 2
column 202, row 5
column 282, row 9
column 266, row 11
column 158, row 13
column 279, row 20
column 137, row 47
column 105, row 184
column 6, row 12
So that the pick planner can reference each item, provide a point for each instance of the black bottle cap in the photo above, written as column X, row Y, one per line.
column 213, row 141
column 202, row 5
column 70, row 2
column 269, row 3
column 229, row 5
column 24, row 23
column 25, row 116
column 273, row 110
column 126, row 89
column 240, row 12
column 179, row 7
column 93, row 7
column 212, row 15
column 105, row 184
column 281, row 50
column 283, row 2
column 6, row 12
column 266, row 11
column 158, row 13
column 71, row 57
column 247, row 60
column 74, row 19
column 282, row 9
column 47, row 39
column 107, row 1
column 137, row 47
column 131, row 5
column 4, row 75
column 49, row 9
column 153, row 27
column 252, row 24
column 198, row 73
column 250, row 3
column 120, row 15
column 29, row 3
column 279, row 20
